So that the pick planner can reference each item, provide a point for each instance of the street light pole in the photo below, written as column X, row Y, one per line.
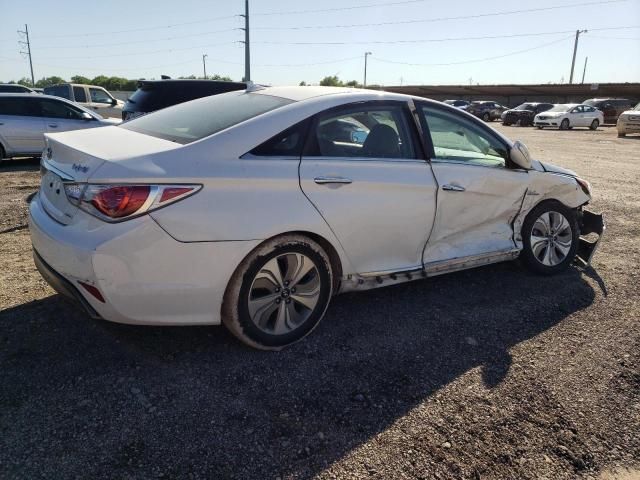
column 584, row 70
column 204, row 65
column 366, row 54
column 575, row 49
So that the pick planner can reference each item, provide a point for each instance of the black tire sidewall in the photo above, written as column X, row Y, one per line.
column 250, row 329
column 564, row 124
column 486, row 117
column 527, row 255
column 596, row 123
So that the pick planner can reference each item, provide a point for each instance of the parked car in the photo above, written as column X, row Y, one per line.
column 486, row 110
column 461, row 104
column 89, row 96
column 568, row 115
column 610, row 107
column 153, row 95
column 14, row 88
column 524, row 114
column 25, row 118
column 629, row 121
column 238, row 208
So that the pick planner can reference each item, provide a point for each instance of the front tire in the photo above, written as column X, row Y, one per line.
column 564, row 125
column 486, row 117
column 550, row 238
column 279, row 293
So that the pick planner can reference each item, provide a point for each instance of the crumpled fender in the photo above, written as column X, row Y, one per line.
column 548, row 186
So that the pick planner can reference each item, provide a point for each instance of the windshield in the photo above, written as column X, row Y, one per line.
column 187, row 122
column 637, row 107
column 526, row 106
column 561, row 108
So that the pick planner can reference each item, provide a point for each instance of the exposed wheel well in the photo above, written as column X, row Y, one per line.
column 336, row 264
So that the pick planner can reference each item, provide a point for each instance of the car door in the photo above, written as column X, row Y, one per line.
column 60, row 116
column 364, row 171
column 577, row 117
column 21, row 127
column 103, row 103
column 479, row 194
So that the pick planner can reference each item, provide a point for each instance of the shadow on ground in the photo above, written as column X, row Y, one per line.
column 81, row 397
column 23, row 164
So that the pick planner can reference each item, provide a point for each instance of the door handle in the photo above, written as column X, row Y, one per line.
column 326, row 180
column 453, row 188
column 53, row 125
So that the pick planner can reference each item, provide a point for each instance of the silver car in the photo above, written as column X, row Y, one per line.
column 25, row 118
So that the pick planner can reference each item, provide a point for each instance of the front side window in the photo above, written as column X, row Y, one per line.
column 187, row 122
column 363, row 132
column 53, row 109
column 79, row 94
column 458, row 140
column 577, row 109
column 99, row 96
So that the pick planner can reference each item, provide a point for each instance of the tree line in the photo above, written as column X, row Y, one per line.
column 129, row 85
column 110, row 83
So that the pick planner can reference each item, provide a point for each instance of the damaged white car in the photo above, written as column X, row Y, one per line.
column 254, row 208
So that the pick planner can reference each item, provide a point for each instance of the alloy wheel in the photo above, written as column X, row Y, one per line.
column 284, row 293
column 551, row 238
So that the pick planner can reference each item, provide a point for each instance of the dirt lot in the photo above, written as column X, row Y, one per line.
column 489, row 373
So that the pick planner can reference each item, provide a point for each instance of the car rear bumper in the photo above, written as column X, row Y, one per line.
column 143, row 274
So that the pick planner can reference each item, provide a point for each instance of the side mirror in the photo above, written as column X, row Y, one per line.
column 114, row 102
column 519, row 155
column 85, row 116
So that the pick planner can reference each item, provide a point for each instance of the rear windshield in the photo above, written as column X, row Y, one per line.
column 191, row 121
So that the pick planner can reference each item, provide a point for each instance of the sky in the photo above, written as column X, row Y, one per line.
column 412, row 42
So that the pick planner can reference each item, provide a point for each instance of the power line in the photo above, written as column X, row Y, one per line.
column 146, row 29
column 441, row 19
column 147, row 52
column 97, row 45
column 517, row 52
column 339, row 9
column 427, row 40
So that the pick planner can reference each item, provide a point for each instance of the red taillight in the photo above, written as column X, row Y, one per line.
column 121, row 201
column 172, row 192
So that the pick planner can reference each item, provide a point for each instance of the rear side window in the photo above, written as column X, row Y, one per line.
column 58, row 91
column 286, row 144
column 79, row 94
column 26, row 107
column 57, row 109
column 191, row 121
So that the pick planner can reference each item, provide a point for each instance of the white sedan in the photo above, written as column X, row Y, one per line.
column 254, row 208
column 568, row 115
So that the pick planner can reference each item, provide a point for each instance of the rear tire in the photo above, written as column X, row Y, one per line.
column 550, row 238
column 506, row 124
column 279, row 292
column 564, row 125
column 486, row 117
column 540, row 127
column 621, row 135
column 594, row 125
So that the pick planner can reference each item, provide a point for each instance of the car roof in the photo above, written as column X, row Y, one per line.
column 298, row 94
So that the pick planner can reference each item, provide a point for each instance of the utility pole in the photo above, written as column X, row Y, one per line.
column 575, row 49
column 28, row 52
column 584, row 70
column 204, row 65
column 366, row 54
column 247, row 57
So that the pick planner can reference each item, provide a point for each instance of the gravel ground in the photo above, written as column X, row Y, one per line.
column 489, row 373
